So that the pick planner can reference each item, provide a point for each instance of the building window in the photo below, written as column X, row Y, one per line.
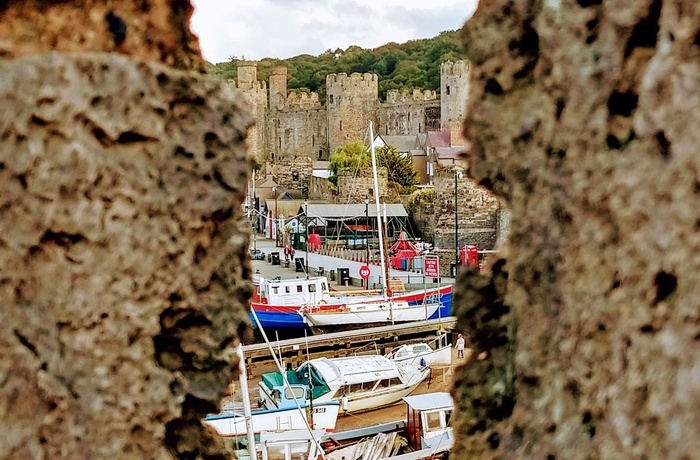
column 320, row 154
column 313, row 140
column 386, row 130
column 341, row 125
column 447, row 89
column 331, row 98
column 279, row 142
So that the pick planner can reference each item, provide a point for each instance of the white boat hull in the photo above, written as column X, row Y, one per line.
column 440, row 357
column 233, row 424
column 370, row 313
column 378, row 398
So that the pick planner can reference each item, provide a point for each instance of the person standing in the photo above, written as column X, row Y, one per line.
column 459, row 345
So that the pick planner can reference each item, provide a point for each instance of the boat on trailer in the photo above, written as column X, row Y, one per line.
column 358, row 383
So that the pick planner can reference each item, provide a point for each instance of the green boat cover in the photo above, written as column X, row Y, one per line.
column 298, row 377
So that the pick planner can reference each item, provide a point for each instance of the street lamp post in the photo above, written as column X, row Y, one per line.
column 306, row 227
column 274, row 218
column 458, row 175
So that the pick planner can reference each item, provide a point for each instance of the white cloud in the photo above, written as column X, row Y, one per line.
column 256, row 29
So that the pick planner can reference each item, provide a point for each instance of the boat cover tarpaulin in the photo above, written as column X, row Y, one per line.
column 298, row 377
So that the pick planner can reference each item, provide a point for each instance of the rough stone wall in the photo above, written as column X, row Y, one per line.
column 584, row 117
column 354, row 186
column 477, row 210
column 124, row 279
column 293, row 174
column 152, row 30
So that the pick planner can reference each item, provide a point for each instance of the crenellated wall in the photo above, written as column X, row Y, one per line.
column 297, row 123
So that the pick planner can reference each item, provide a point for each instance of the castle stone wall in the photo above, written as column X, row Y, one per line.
column 355, row 185
column 477, row 212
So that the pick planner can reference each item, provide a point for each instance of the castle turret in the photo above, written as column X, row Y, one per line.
column 278, row 88
column 351, row 102
column 454, row 92
column 247, row 74
column 255, row 94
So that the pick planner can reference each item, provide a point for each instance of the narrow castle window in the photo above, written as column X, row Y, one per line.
column 448, row 90
column 320, row 154
column 279, row 142
column 313, row 140
column 331, row 98
column 341, row 125
column 386, row 130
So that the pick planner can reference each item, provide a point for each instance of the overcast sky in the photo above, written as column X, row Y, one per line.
column 257, row 29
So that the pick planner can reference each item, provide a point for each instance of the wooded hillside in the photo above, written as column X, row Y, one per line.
column 414, row 64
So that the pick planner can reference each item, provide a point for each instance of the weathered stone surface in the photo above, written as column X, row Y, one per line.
column 152, row 30
column 584, row 117
column 123, row 275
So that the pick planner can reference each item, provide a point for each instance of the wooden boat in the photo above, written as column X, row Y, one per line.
column 277, row 302
column 359, row 383
column 437, row 352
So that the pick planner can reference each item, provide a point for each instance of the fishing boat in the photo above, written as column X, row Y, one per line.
column 437, row 352
column 277, row 302
column 425, row 433
column 233, row 423
column 358, row 383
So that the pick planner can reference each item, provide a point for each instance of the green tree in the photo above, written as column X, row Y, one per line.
column 352, row 155
column 400, row 169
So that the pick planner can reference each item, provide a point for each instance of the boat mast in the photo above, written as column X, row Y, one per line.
column 379, row 218
column 243, row 380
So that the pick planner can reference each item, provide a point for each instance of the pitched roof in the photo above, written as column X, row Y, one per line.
column 340, row 212
column 439, row 139
column 401, row 143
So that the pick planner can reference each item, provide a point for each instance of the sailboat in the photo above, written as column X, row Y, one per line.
column 387, row 309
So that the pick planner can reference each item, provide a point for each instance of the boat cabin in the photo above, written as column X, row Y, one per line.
column 428, row 420
column 295, row 291
column 290, row 445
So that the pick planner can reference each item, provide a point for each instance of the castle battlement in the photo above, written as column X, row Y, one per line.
column 303, row 100
column 249, row 86
column 396, row 96
column 355, row 79
column 279, row 71
column 454, row 68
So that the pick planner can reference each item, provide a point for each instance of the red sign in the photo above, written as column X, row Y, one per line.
column 364, row 272
column 432, row 267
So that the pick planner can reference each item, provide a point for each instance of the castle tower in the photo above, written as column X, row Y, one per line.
column 247, row 74
column 255, row 94
column 278, row 88
column 351, row 103
column 454, row 92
